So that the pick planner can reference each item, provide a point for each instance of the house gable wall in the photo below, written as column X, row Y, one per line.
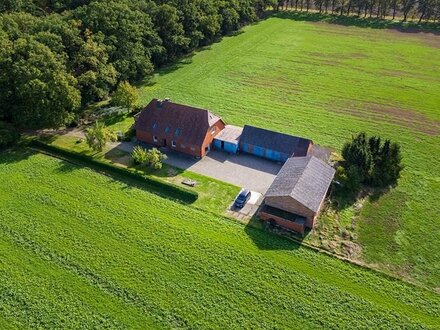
column 209, row 137
column 291, row 205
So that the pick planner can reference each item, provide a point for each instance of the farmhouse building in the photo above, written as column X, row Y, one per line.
column 273, row 145
column 179, row 127
column 296, row 196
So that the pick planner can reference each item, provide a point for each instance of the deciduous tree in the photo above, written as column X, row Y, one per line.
column 125, row 95
column 38, row 91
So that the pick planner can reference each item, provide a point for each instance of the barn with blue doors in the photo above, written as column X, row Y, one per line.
column 273, row 145
column 228, row 139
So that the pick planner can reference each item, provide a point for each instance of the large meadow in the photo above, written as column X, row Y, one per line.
column 80, row 250
column 327, row 82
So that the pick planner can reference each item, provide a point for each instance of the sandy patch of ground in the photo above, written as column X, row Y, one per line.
column 431, row 39
column 394, row 115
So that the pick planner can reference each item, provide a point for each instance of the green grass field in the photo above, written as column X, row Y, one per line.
column 80, row 250
column 327, row 82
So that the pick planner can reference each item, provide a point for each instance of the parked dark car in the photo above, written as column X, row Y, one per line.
column 242, row 198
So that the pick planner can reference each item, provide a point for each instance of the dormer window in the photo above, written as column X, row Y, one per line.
column 167, row 130
column 154, row 125
column 177, row 132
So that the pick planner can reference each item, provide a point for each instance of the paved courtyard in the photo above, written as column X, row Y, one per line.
column 243, row 170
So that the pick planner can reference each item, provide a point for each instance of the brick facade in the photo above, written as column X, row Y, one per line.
column 178, row 143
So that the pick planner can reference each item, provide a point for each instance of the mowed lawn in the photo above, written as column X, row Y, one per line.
column 80, row 250
column 327, row 82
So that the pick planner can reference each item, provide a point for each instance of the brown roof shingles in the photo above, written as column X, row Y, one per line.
column 305, row 179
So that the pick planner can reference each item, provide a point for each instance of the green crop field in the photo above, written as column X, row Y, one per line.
column 326, row 82
column 80, row 250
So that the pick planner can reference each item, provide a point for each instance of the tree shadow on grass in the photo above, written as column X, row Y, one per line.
column 15, row 154
column 47, row 138
column 367, row 22
column 184, row 61
column 341, row 200
column 66, row 167
column 111, row 120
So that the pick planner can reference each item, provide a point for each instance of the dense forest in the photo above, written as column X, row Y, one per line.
column 427, row 10
column 57, row 56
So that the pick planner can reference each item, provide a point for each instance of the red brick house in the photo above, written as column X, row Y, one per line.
column 186, row 129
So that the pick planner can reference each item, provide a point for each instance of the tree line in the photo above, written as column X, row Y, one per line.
column 427, row 10
column 57, row 56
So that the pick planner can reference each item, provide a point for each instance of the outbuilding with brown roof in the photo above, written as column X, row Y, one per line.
column 301, row 187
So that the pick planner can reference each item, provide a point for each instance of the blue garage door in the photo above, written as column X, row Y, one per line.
column 217, row 144
column 259, row 151
column 231, row 147
column 273, row 155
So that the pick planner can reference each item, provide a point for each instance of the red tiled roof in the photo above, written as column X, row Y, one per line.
column 187, row 124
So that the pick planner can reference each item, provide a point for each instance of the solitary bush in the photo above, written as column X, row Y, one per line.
column 98, row 135
column 152, row 157
column 8, row 135
column 155, row 158
column 139, row 155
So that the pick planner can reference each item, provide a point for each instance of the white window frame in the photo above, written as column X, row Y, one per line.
column 173, row 143
column 154, row 138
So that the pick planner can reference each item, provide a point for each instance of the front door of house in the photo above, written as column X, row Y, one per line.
column 164, row 142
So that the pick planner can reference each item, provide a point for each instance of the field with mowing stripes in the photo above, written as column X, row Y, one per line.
column 82, row 250
column 326, row 82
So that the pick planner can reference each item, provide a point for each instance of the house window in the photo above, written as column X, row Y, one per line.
column 155, row 138
column 177, row 132
column 173, row 143
column 167, row 130
column 154, row 125
column 213, row 131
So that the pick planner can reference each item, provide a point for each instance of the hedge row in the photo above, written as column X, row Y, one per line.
column 159, row 187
